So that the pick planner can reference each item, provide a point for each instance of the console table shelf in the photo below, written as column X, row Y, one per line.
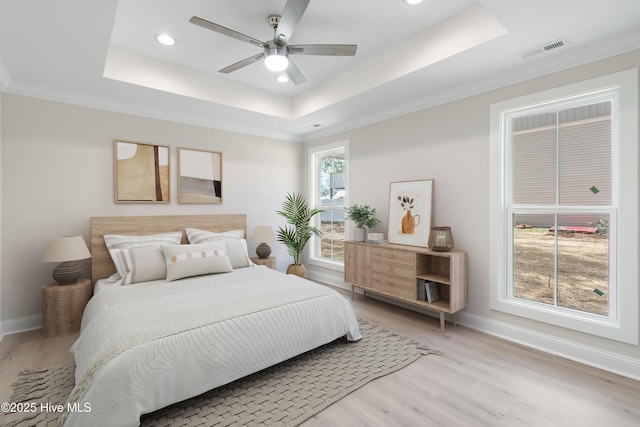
column 395, row 271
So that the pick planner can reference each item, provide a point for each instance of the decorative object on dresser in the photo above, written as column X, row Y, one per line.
column 397, row 271
column 376, row 238
column 298, row 231
column 410, row 206
column 441, row 239
column 141, row 172
column 62, row 307
column 262, row 235
column 199, row 176
column 66, row 251
column 363, row 216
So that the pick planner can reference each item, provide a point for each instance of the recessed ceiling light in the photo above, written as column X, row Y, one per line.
column 412, row 2
column 282, row 78
column 165, row 39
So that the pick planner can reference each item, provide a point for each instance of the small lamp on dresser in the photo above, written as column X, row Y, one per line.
column 66, row 251
column 263, row 234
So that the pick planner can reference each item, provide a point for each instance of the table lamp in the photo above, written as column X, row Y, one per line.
column 263, row 234
column 66, row 251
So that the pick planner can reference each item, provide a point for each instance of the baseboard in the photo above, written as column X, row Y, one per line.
column 329, row 279
column 22, row 324
column 587, row 355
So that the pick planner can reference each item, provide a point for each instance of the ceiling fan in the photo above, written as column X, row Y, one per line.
column 276, row 52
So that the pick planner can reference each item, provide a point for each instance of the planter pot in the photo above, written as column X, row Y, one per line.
column 297, row 269
column 359, row 234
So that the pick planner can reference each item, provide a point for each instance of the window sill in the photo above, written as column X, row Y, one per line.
column 329, row 265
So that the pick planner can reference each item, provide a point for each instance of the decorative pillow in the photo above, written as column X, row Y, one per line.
column 194, row 260
column 144, row 264
column 236, row 244
column 117, row 243
column 195, row 235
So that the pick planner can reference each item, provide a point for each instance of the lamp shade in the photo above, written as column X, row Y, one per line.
column 262, row 234
column 66, row 251
column 63, row 249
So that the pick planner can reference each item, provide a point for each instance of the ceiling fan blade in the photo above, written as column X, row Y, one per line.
column 226, row 31
column 294, row 73
column 243, row 63
column 291, row 15
column 323, row 49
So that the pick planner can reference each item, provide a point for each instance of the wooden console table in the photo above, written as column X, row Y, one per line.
column 395, row 271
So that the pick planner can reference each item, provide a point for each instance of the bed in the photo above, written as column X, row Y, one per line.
column 146, row 345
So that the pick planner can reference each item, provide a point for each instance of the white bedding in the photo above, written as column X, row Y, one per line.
column 145, row 346
column 103, row 285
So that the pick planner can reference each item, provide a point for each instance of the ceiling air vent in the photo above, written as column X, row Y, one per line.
column 545, row 48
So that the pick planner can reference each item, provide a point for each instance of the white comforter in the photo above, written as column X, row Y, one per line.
column 145, row 346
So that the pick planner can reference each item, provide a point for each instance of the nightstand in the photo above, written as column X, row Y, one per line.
column 62, row 307
column 269, row 262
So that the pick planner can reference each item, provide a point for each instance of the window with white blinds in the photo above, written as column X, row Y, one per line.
column 563, row 207
column 563, row 158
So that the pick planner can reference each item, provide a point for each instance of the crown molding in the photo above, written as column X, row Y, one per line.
column 526, row 71
column 102, row 103
column 523, row 73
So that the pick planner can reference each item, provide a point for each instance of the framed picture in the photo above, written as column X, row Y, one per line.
column 199, row 176
column 141, row 172
column 410, row 205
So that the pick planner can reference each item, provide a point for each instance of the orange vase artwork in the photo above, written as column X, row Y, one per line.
column 410, row 222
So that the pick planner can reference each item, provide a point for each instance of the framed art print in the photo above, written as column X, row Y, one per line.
column 199, row 176
column 141, row 172
column 410, row 206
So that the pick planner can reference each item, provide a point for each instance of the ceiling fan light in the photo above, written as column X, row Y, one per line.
column 275, row 59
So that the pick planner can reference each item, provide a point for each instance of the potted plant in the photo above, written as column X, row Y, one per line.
column 298, row 230
column 363, row 216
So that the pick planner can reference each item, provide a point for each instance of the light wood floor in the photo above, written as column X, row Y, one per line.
column 478, row 380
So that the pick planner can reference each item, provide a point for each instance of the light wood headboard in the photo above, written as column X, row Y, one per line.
column 101, row 264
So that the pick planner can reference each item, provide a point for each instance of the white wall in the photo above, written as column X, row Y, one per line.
column 58, row 171
column 450, row 143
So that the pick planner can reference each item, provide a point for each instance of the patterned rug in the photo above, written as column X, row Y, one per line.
column 286, row 394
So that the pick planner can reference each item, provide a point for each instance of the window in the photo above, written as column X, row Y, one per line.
column 564, row 205
column 329, row 191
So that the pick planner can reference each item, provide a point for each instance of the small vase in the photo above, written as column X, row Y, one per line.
column 359, row 234
column 297, row 269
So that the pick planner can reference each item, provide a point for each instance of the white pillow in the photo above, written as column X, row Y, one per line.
column 194, row 260
column 236, row 244
column 195, row 235
column 118, row 243
column 144, row 264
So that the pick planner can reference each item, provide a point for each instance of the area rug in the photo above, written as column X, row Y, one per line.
column 286, row 394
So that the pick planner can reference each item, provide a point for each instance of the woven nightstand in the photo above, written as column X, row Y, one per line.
column 269, row 262
column 62, row 307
